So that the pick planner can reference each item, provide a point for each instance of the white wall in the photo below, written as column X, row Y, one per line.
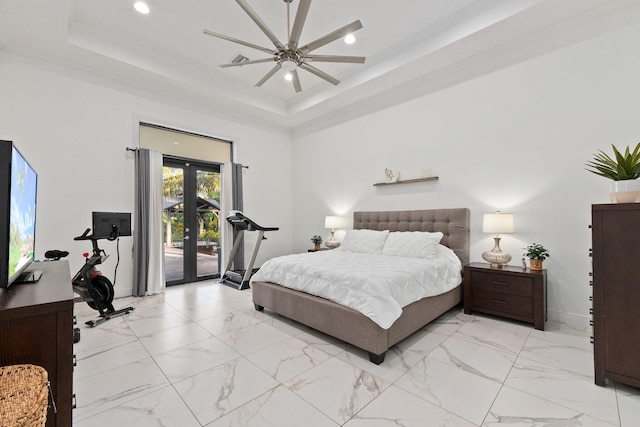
column 74, row 132
column 514, row 140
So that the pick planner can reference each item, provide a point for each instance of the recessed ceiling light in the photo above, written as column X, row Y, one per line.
column 349, row 39
column 288, row 77
column 141, row 7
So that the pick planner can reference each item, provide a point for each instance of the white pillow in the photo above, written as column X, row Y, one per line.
column 365, row 241
column 415, row 244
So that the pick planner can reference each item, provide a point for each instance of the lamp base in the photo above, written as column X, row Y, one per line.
column 332, row 243
column 495, row 256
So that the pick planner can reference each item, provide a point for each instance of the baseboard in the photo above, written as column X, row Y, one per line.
column 577, row 320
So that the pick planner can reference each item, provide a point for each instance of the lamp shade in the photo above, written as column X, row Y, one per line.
column 332, row 222
column 498, row 223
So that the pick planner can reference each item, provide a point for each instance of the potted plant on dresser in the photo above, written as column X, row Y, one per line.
column 623, row 169
column 536, row 254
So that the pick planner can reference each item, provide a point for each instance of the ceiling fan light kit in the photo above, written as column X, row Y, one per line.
column 290, row 57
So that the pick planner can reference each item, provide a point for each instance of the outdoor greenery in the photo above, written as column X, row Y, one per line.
column 536, row 251
column 207, row 188
column 620, row 167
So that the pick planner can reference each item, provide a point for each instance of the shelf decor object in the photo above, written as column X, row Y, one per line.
column 332, row 222
column 497, row 223
column 406, row 181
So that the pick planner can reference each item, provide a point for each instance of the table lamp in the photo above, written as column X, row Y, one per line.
column 497, row 223
column 332, row 222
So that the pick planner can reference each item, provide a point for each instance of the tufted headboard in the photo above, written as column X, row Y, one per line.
column 453, row 223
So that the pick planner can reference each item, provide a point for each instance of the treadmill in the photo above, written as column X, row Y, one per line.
column 239, row 279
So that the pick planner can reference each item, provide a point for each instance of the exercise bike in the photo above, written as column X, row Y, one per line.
column 94, row 288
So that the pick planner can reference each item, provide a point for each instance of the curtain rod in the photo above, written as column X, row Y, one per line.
column 136, row 149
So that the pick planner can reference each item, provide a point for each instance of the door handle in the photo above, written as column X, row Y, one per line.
column 186, row 238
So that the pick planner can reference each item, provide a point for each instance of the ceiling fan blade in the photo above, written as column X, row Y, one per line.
column 298, row 23
column 253, row 15
column 240, row 64
column 268, row 75
column 231, row 39
column 319, row 73
column 296, row 81
column 335, row 35
column 336, row 58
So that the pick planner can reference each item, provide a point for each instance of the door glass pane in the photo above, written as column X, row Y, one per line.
column 173, row 218
column 208, row 213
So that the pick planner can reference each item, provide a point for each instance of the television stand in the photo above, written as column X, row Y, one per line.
column 29, row 277
column 36, row 327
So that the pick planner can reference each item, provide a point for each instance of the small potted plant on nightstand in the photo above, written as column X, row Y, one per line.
column 536, row 254
column 317, row 240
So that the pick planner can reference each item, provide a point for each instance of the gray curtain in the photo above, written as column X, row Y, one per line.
column 148, row 257
column 231, row 199
column 238, row 261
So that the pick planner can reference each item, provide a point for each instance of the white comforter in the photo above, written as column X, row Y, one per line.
column 377, row 286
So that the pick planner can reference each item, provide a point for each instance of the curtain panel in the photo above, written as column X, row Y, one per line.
column 148, row 254
column 232, row 196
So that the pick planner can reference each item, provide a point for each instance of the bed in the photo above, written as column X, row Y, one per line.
column 354, row 327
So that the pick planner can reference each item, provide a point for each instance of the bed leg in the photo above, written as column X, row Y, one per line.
column 377, row 358
column 258, row 307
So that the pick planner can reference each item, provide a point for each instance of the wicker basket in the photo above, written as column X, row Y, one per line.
column 24, row 391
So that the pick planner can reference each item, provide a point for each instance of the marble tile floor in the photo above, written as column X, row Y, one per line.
column 200, row 355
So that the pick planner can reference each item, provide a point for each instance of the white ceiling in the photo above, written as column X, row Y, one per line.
column 410, row 45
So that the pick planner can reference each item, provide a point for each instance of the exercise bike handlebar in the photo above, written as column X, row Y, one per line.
column 84, row 235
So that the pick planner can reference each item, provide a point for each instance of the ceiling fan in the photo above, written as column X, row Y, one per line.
column 290, row 56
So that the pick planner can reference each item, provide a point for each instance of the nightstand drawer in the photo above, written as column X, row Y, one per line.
column 491, row 282
column 502, row 303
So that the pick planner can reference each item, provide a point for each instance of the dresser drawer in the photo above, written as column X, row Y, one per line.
column 502, row 303
column 503, row 283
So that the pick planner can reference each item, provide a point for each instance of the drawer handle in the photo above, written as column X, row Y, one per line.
column 499, row 301
column 500, row 283
column 592, row 340
column 591, row 311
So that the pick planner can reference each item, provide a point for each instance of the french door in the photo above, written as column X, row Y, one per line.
column 190, row 214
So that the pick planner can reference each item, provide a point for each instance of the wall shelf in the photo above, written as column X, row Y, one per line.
column 406, row 181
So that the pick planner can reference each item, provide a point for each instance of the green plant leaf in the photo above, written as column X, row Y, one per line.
column 624, row 165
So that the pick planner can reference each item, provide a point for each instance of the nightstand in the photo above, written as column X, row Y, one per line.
column 511, row 292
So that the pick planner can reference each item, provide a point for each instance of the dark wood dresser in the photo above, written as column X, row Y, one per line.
column 513, row 292
column 36, row 327
column 616, row 292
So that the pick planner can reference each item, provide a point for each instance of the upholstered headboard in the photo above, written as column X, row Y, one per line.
column 453, row 223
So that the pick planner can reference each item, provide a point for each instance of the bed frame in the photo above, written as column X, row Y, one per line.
column 352, row 326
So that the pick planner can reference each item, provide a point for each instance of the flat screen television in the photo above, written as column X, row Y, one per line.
column 18, row 197
column 110, row 225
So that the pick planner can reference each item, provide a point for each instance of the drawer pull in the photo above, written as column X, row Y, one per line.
column 592, row 340
column 499, row 301
column 500, row 283
column 590, row 297
column 590, row 322
column 591, row 311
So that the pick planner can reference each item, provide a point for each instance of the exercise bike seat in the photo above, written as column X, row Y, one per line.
column 55, row 254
